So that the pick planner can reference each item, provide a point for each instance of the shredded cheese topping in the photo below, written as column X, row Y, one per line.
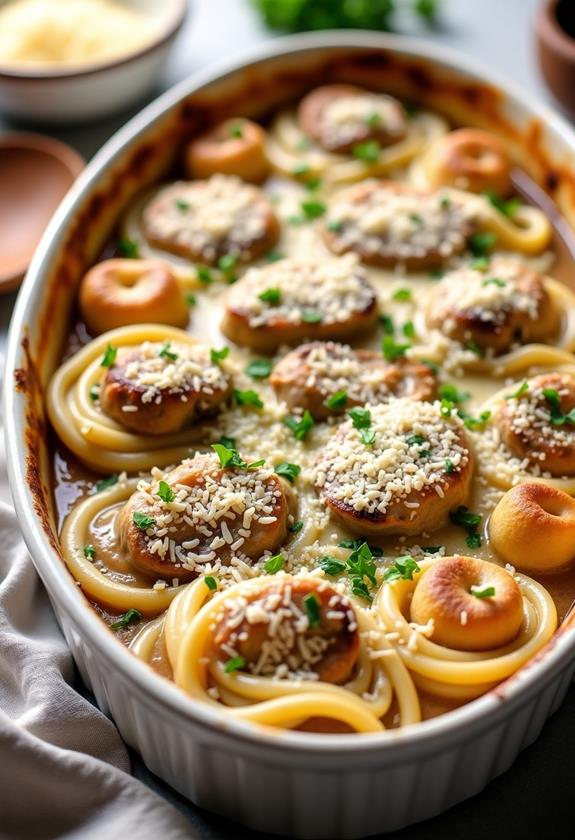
column 332, row 289
column 413, row 442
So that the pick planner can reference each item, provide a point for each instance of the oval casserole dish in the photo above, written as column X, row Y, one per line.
column 313, row 785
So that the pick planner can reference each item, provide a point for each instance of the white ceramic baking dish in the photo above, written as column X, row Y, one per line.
column 305, row 785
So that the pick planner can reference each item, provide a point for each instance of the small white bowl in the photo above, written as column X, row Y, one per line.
column 58, row 94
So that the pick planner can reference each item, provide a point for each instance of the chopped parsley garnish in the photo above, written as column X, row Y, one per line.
column 433, row 366
column 360, row 417
column 357, row 543
column 287, row 470
column 402, row 294
column 313, row 613
column 310, row 316
column 191, row 299
column 205, row 275
column 449, row 466
column 386, row 322
column 300, row 169
column 226, row 264
column 95, row 392
column 109, row 356
column 272, row 296
column 367, row 436
column 507, row 207
column 470, row 522
column 126, row 619
column 402, row 569
column 494, row 281
column 274, row 256
column 128, row 248
column 368, row 151
column 373, row 120
column 89, row 551
column 474, row 347
column 259, row 368
column 300, row 428
column 230, row 459
column 415, row 440
column 274, row 564
column 237, row 129
column 408, row 329
column 104, row 483
column 182, row 204
column 479, row 264
column 391, row 349
column 166, row 353
column 437, row 273
column 211, row 582
column 481, row 243
column 361, row 570
column 250, row 398
column 296, row 526
column 486, row 592
column 558, row 418
column 450, row 392
column 445, row 202
column 142, row 520
column 312, row 209
column 229, row 442
column 474, row 423
column 234, row 664
column 218, row 356
column 432, row 549
column 415, row 218
column 312, row 184
column 332, row 566
column 335, row 226
column 165, row 492
column 523, row 388
column 336, row 401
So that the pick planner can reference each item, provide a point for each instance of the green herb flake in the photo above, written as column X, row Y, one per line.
column 234, row 664
column 507, row 207
column 481, row 243
column 516, row 395
column 227, row 263
column 310, row 316
column 296, row 526
column 165, row 492
column 402, row 295
column 272, row 296
column 218, row 356
column 475, row 424
column 274, row 256
column 128, row 249
column 403, row 568
column 311, row 605
column 386, row 322
column 228, row 442
column 248, row 398
column 300, row 428
column 300, row 169
column 557, row 417
column 494, row 281
column 368, row 151
column 105, row 483
column 485, row 592
column 274, row 564
column 259, row 368
column 182, row 205
column 450, row 392
column 191, row 299
column 449, row 466
column 335, row 226
column 367, row 436
column 415, row 218
column 480, row 264
column 336, row 401
column 95, row 393
column 445, row 202
column 360, row 417
column 142, row 520
column 166, row 352
column 391, row 349
column 408, row 329
column 288, row 471
column 236, row 129
column 211, row 582
column 109, row 356
column 126, row 619
column 230, row 459
column 332, row 566
column 312, row 209
column 89, row 552
column 470, row 522
column 205, row 274
column 373, row 120
column 416, row 440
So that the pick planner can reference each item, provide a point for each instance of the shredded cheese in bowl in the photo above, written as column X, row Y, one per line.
column 70, row 32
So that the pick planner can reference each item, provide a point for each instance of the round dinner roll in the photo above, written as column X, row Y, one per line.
column 118, row 292
column 470, row 159
column 533, row 527
column 463, row 620
column 233, row 147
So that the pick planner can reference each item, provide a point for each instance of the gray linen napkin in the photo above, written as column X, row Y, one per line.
column 64, row 771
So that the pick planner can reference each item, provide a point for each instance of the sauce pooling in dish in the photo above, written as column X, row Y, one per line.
column 302, row 514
